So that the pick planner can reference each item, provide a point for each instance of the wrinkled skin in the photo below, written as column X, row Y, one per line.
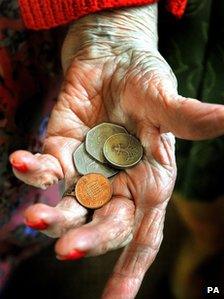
column 135, row 89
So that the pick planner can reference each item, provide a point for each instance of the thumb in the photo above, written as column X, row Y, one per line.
column 194, row 120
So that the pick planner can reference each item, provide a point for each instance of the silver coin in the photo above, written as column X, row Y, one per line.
column 96, row 138
column 85, row 164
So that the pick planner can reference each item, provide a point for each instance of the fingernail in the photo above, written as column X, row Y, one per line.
column 40, row 224
column 22, row 167
column 75, row 254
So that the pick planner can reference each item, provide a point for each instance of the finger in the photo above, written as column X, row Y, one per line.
column 55, row 221
column 62, row 149
column 37, row 170
column 137, row 257
column 111, row 226
column 194, row 120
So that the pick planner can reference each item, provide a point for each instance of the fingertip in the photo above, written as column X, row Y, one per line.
column 74, row 239
column 39, row 216
column 39, row 224
column 74, row 254
column 21, row 160
column 21, row 167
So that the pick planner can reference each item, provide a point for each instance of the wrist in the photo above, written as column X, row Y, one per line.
column 116, row 31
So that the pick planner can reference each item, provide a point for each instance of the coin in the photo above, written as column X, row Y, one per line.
column 96, row 138
column 123, row 150
column 85, row 164
column 93, row 190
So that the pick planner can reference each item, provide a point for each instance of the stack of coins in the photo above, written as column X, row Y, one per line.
column 107, row 149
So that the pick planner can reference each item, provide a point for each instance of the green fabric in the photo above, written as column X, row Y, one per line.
column 194, row 47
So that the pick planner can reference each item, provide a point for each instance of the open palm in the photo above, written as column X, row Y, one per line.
column 136, row 90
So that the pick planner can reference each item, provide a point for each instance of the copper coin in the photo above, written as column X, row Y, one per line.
column 93, row 190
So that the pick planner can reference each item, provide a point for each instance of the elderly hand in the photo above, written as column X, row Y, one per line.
column 114, row 73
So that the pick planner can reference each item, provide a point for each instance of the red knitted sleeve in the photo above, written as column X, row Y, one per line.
column 44, row 14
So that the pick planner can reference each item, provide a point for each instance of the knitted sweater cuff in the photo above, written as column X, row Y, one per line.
column 45, row 14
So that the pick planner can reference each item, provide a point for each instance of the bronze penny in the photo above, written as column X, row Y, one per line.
column 93, row 190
